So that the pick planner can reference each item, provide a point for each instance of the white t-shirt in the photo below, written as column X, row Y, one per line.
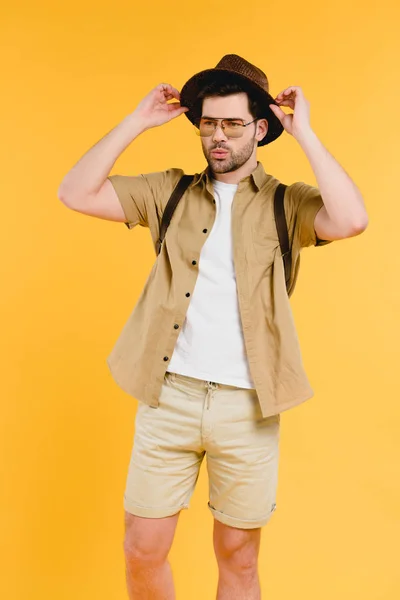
column 211, row 345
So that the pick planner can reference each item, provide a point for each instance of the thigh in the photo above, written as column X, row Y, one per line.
column 242, row 460
column 166, row 457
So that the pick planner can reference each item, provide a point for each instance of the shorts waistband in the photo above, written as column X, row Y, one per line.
column 199, row 383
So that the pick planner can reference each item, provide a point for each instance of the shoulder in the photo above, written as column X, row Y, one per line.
column 160, row 185
column 161, row 179
column 300, row 191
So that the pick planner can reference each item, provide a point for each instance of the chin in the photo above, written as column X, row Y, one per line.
column 219, row 166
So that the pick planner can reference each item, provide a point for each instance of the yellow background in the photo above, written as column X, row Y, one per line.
column 73, row 71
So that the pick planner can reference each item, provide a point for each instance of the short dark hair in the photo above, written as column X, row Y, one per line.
column 227, row 87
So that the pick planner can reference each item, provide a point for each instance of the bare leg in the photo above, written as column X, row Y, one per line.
column 237, row 551
column 146, row 547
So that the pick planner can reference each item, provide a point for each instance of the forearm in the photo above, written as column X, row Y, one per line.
column 342, row 199
column 88, row 175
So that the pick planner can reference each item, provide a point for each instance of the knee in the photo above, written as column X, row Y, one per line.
column 144, row 549
column 237, row 550
column 144, row 553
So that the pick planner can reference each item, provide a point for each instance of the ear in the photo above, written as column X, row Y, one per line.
column 262, row 129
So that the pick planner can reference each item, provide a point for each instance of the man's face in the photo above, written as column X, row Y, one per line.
column 234, row 152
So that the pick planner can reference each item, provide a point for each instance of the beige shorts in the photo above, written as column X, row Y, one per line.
column 195, row 419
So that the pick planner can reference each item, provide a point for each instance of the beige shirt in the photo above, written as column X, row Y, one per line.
column 140, row 357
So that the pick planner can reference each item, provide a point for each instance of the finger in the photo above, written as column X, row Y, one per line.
column 176, row 112
column 293, row 89
column 175, row 92
column 164, row 86
column 281, row 94
column 288, row 103
column 278, row 112
column 284, row 96
column 176, row 106
column 168, row 89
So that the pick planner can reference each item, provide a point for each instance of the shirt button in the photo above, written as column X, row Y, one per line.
column 165, row 358
column 205, row 230
column 194, row 262
column 187, row 295
column 176, row 326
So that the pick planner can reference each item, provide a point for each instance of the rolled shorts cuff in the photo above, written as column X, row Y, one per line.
column 239, row 523
column 150, row 512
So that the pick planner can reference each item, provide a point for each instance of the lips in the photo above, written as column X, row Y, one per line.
column 219, row 153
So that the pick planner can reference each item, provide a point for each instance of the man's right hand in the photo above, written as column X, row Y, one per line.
column 154, row 109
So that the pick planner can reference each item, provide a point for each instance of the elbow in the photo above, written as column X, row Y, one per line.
column 361, row 225
column 65, row 197
column 356, row 228
column 62, row 195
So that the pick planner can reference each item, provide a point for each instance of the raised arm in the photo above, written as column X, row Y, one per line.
column 85, row 188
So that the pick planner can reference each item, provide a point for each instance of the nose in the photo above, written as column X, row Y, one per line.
column 219, row 134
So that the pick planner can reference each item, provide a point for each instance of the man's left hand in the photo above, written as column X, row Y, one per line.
column 298, row 122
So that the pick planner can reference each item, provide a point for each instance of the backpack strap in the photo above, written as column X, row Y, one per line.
column 172, row 203
column 281, row 226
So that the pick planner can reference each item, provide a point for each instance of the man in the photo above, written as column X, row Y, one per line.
column 210, row 350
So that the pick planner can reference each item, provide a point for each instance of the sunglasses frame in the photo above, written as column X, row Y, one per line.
column 243, row 124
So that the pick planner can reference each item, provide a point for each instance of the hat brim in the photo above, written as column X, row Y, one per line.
column 195, row 84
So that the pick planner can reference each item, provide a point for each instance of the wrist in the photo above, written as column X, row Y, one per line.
column 135, row 123
column 307, row 138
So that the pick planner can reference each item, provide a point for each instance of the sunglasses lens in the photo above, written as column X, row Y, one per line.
column 207, row 127
column 231, row 128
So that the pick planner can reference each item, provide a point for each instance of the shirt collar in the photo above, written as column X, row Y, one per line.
column 258, row 177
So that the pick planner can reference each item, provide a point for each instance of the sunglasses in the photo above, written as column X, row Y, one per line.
column 232, row 128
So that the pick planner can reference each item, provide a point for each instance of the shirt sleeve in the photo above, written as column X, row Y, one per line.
column 303, row 202
column 143, row 197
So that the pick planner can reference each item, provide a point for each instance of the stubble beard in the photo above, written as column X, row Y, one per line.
column 232, row 162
